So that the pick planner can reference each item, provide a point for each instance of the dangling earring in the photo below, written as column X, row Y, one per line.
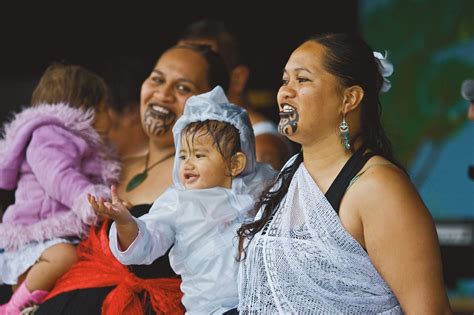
column 344, row 133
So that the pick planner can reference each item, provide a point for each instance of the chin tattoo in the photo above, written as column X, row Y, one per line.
column 157, row 123
column 288, row 123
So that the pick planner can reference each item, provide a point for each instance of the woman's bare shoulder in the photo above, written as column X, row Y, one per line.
column 381, row 185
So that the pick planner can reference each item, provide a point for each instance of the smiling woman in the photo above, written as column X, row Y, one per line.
column 343, row 230
column 163, row 95
column 98, row 282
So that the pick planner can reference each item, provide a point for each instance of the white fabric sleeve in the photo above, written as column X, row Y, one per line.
column 156, row 233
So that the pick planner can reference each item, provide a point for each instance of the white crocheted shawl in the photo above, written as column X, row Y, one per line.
column 307, row 263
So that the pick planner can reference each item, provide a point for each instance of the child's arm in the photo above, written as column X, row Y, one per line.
column 144, row 239
column 127, row 228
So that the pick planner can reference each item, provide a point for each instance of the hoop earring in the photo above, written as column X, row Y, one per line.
column 344, row 133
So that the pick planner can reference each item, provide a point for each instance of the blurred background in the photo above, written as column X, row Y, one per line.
column 431, row 44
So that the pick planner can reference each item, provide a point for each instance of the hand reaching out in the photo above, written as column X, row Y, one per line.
column 127, row 228
column 116, row 210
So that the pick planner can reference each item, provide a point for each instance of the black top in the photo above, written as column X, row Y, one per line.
column 342, row 181
column 353, row 166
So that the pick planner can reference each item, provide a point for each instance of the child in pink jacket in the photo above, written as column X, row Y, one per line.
column 52, row 154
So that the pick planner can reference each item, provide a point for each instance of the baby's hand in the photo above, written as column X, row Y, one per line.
column 115, row 210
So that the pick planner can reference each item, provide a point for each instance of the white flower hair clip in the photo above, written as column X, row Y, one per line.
column 385, row 69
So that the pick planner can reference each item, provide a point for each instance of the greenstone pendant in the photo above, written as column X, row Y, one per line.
column 136, row 180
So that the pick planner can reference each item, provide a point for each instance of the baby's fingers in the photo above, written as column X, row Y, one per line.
column 113, row 211
column 92, row 201
column 127, row 204
column 114, row 194
column 99, row 207
column 109, row 207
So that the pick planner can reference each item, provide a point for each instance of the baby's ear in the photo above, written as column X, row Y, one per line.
column 238, row 163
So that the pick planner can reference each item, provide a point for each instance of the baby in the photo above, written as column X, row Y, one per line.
column 216, row 182
column 52, row 154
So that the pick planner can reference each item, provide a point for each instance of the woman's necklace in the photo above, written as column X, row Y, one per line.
column 140, row 178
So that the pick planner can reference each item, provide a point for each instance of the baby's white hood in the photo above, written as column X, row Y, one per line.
column 214, row 105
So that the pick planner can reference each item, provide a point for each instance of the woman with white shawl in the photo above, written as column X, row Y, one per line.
column 343, row 231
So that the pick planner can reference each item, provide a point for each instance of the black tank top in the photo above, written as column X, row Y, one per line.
column 339, row 186
column 342, row 181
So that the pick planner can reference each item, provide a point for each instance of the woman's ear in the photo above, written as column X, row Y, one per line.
column 352, row 97
column 237, row 164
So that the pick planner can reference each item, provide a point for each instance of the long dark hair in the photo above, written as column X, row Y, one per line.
column 351, row 60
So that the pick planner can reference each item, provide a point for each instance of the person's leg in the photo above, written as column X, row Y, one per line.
column 52, row 264
column 21, row 299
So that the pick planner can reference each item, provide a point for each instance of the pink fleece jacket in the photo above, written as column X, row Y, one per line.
column 53, row 157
